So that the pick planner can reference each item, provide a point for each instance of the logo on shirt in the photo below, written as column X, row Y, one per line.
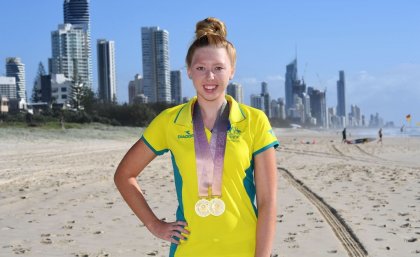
column 233, row 134
column 187, row 134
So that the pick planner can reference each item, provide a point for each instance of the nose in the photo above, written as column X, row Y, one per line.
column 210, row 75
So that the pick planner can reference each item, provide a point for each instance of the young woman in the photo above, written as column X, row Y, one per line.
column 223, row 159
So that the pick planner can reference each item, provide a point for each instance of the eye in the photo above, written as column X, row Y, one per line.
column 219, row 68
column 200, row 68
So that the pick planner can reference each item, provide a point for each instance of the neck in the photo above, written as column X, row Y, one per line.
column 210, row 110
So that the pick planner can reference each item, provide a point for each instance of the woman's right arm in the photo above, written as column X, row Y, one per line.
column 125, row 178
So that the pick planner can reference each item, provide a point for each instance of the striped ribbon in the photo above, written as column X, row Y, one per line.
column 210, row 157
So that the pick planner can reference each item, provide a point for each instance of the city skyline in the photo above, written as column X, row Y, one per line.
column 375, row 44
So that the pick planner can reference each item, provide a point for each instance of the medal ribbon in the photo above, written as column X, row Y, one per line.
column 210, row 157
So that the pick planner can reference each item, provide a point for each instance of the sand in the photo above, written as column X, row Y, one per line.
column 57, row 195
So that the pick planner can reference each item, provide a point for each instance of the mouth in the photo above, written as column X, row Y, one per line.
column 209, row 88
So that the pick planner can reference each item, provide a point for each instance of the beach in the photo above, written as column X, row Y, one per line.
column 58, row 198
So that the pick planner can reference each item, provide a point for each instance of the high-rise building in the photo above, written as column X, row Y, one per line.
column 176, row 87
column 235, row 90
column 69, row 54
column 135, row 88
column 306, row 100
column 267, row 99
column 257, row 101
column 156, row 71
column 107, row 82
column 15, row 68
column 275, row 109
column 354, row 117
column 8, row 87
column 76, row 12
column 282, row 108
column 341, row 95
column 318, row 107
column 290, row 80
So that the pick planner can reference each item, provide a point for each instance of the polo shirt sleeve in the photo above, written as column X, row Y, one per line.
column 264, row 137
column 154, row 136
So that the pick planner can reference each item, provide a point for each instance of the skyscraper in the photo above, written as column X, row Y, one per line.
column 76, row 12
column 15, row 68
column 176, row 86
column 235, row 90
column 318, row 107
column 267, row 100
column 341, row 96
column 156, row 72
column 257, row 101
column 291, row 78
column 107, row 83
column 69, row 54
column 135, row 88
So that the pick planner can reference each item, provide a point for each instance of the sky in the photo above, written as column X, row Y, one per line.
column 376, row 43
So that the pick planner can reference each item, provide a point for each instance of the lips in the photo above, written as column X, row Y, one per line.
column 209, row 88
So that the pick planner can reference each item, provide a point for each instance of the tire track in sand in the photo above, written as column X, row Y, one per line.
column 344, row 234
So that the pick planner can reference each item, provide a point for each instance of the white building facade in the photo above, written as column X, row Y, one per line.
column 156, row 70
column 70, row 53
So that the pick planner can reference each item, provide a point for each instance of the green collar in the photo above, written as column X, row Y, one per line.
column 184, row 116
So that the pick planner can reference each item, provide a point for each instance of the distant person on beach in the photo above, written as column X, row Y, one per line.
column 380, row 135
column 344, row 140
column 223, row 161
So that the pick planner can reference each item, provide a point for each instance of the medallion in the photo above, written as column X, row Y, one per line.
column 217, row 207
column 202, row 208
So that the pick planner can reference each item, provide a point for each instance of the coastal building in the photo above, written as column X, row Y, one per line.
column 107, row 82
column 140, row 99
column 341, row 96
column 290, row 81
column 8, row 87
column 70, row 55
column 267, row 99
column 235, row 90
column 135, row 87
column 4, row 104
column 156, row 71
column 15, row 68
column 257, row 101
column 61, row 90
column 318, row 107
column 176, row 87
column 76, row 12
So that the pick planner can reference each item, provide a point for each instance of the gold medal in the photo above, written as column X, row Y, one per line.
column 217, row 207
column 202, row 208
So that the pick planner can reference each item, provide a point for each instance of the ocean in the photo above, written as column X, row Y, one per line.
column 386, row 132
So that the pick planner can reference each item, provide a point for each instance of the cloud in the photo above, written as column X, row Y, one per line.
column 391, row 93
column 275, row 78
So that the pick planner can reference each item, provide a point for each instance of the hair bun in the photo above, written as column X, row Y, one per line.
column 210, row 26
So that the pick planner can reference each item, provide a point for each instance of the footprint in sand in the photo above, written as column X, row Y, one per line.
column 152, row 253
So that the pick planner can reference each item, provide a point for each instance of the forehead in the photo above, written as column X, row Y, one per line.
column 210, row 54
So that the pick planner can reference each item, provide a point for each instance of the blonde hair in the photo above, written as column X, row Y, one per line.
column 211, row 32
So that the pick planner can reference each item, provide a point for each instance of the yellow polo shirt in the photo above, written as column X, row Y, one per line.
column 233, row 234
